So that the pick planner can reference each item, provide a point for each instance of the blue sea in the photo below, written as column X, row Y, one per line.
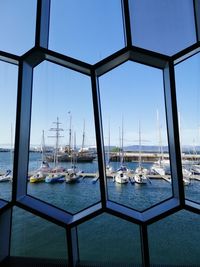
column 104, row 239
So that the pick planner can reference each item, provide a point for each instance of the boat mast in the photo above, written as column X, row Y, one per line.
column 122, row 158
column 180, row 135
column 160, row 139
column 57, row 135
column 11, row 147
column 109, row 142
column 70, row 131
column 74, row 153
column 140, row 147
column 83, row 140
column 43, row 146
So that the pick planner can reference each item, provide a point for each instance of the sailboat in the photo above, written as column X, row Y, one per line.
column 122, row 173
column 140, row 175
column 159, row 166
column 83, row 155
column 7, row 176
column 44, row 169
column 186, row 173
column 109, row 169
column 195, row 164
column 73, row 175
column 56, row 176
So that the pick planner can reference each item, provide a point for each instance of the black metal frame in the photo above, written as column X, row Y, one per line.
column 35, row 56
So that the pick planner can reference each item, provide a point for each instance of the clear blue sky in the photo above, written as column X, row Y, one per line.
column 131, row 91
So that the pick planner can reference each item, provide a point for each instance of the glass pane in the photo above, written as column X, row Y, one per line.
column 135, row 135
column 8, row 94
column 62, row 161
column 109, row 241
column 36, row 237
column 17, row 25
column 86, row 30
column 162, row 26
column 174, row 241
column 188, row 99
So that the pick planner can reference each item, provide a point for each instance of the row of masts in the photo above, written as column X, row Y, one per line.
column 121, row 142
column 58, row 134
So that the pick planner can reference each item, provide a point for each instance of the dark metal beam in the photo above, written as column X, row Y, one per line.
column 173, row 132
column 44, row 210
column 126, row 23
column 144, row 246
column 196, row 5
column 42, row 23
column 21, row 154
column 5, row 233
column 73, row 249
column 9, row 58
column 99, row 138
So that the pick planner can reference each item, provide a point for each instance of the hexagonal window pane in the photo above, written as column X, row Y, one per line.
column 165, row 27
column 135, row 135
column 62, row 160
column 88, row 23
column 109, row 241
column 188, row 97
column 17, row 25
column 8, row 92
column 174, row 241
column 31, row 237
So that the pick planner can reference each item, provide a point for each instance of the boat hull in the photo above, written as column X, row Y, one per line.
column 55, row 179
column 67, row 158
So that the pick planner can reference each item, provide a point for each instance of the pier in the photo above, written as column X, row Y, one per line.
column 131, row 174
column 148, row 156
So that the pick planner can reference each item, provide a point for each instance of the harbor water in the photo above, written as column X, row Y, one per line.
column 104, row 239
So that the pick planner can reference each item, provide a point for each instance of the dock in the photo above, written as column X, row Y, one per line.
column 130, row 156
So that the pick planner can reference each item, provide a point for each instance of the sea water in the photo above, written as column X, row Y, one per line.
column 173, row 240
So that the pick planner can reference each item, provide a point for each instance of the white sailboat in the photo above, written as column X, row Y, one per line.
column 122, row 176
column 7, row 176
column 109, row 169
column 195, row 165
column 44, row 169
column 186, row 173
column 56, row 176
column 159, row 166
column 140, row 175
column 73, row 175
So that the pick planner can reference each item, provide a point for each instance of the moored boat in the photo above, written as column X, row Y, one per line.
column 6, row 177
column 72, row 177
column 37, row 177
column 55, row 178
column 140, row 175
column 121, row 177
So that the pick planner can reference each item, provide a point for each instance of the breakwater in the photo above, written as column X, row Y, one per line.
column 148, row 157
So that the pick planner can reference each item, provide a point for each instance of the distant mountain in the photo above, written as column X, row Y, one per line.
column 156, row 149
column 145, row 148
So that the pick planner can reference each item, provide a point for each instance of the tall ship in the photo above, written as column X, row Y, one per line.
column 83, row 155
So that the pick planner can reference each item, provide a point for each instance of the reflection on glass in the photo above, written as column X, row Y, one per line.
column 17, row 25
column 162, row 26
column 62, row 161
column 109, row 240
column 135, row 135
column 188, row 99
column 36, row 237
column 8, row 92
column 174, row 241
column 96, row 25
